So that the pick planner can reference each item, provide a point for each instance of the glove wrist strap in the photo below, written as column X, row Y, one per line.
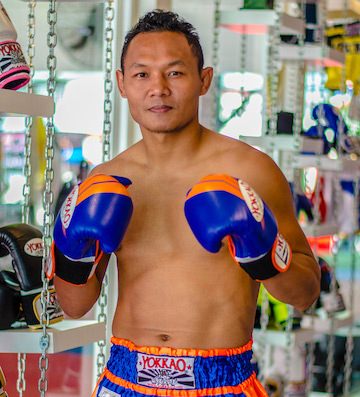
column 276, row 261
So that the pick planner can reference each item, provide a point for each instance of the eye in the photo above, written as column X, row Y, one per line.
column 175, row 73
column 141, row 75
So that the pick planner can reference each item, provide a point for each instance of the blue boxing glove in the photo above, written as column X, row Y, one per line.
column 92, row 220
column 219, row 206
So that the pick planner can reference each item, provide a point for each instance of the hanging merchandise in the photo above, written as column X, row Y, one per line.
column 327, row 119
column 348, row 223
column 2, row 384
column 14, row 71
column 331, row 300
column 21, row 266
column 317, row 199
column 347, row 38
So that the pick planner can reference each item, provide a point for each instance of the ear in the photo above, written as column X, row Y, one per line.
column 206, row 76
column 120, row 82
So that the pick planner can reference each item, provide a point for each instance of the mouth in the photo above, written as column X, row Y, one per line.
column 160, row 109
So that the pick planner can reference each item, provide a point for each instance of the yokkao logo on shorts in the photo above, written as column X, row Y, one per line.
column 252, row 200
column 34, row 247
column 68, row 207
column 165, row 372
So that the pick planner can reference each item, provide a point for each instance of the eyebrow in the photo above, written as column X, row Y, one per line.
column 142, row 65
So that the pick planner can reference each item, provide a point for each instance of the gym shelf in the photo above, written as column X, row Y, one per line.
column 312, row 53
column 285, row 142
column 258, row 22
column 335, row 9
column 324, row 325
column 281, row 339
column 65, row 335
column 15, row 103
column 325, row 229
column 322, row 162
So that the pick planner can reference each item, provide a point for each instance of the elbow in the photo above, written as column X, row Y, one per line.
column 74, row 313
column 309, row 300
column 311, row 294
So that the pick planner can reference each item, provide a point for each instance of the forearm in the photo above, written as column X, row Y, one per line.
column 299, row 286
column 77, row 300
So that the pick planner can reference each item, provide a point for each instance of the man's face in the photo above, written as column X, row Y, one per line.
column 161, row 81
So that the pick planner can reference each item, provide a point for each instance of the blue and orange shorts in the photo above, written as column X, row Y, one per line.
column 134, row 371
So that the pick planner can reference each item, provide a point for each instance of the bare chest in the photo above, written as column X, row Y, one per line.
column 158, row 216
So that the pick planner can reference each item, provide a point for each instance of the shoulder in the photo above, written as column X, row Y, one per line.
column 251, row 165
column 125, row 163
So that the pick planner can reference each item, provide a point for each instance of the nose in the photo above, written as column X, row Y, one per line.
column 159, row 85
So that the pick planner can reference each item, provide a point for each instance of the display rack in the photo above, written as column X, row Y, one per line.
column 65, row 335
column 325, row 163
column 312, row 53
column 14, row 103
column 281, row 339
column 335, row 9
column 325, row 229
column 259, row 21
column 328, row 325
column 285, row 142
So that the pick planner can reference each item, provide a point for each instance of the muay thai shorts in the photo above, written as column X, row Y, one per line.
column 134, row 371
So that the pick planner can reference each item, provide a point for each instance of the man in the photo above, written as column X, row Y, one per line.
column 185, row 311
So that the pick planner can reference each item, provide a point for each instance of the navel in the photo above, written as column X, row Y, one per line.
column 164, row 337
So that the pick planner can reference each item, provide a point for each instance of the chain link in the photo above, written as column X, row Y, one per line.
column 289, row 344
column 29, row 120
column 109, row 12
column 261, row 342
column 350, row 338
column 20, row 382
column 299, row 105
column 273, row 63
column 108, row 85
column 21, row 357
column 48, row 198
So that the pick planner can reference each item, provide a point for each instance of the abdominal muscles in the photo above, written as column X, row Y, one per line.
column 197, row 300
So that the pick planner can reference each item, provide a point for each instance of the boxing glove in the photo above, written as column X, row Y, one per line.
column 9, row 306
column 92, row 220
column 14, row 71
column 2, row 384
column 21, row 246
column 219, row 206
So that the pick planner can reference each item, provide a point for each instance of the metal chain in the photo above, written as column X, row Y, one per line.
column 29, row 120
column 350, row 338
column 264, row 321
column 20, row 382
column 273, row 62
column 299, row 105
column 215, row 62
column 108, row 85
column 330, row 359
column 25, row 210
column 48, row 198
column 107, row 127
column 310, row 358
column 289, row 344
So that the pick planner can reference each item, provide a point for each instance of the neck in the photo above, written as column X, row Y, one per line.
column 173, row 148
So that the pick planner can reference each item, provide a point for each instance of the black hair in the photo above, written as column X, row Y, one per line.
column 165, row 21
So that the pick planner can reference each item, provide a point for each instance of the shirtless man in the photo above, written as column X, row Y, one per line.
column 185, row 312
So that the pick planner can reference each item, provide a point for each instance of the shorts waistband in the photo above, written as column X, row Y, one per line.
column 149, row 368
column 176, row 352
